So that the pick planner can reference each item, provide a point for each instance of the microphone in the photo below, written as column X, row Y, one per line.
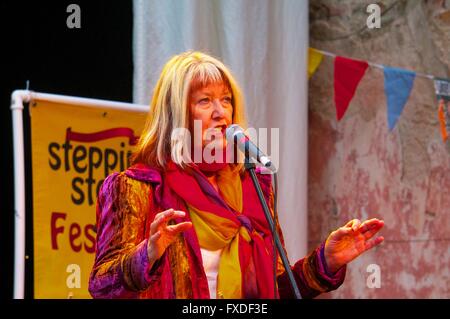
column 235, row 134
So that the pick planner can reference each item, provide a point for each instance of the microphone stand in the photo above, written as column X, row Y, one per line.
column 250, row 167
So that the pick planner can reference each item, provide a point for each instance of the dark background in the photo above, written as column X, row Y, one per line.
column 94, row 61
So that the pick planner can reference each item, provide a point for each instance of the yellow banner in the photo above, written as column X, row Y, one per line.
column 73, row 149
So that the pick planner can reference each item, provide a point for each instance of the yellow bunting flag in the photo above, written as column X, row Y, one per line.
column 315, row 58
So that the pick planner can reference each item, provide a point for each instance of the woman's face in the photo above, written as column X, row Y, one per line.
column 211, row 105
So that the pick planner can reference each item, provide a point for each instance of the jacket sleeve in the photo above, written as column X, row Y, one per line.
column 121, row 267
column 312, row 276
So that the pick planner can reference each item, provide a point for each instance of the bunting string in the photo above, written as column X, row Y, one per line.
column 398, row 84
column 378, row 66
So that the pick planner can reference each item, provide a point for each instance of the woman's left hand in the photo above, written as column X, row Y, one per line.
column 349, row 241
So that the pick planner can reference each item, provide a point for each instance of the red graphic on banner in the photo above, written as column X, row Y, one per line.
column 102, row 135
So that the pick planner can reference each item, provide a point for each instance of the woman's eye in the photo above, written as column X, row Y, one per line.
column 204, row 101
column 227, row 99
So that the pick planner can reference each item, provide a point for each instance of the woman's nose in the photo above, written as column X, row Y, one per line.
column 219, row 110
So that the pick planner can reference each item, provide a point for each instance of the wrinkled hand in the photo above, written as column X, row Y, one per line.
column 348, row 242
column 162, row 234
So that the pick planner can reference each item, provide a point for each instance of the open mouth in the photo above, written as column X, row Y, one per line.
column 216, row 133
column 222, row 128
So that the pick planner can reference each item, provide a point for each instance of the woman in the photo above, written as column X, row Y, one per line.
column 174, row 227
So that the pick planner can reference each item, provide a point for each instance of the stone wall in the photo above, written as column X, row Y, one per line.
column 358, row 169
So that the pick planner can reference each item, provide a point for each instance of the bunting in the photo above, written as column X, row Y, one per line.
column 347, row 75
column 314, row 60
column 398, row 84
column 444, row 119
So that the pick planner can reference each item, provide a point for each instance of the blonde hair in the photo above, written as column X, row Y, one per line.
column 169, row 108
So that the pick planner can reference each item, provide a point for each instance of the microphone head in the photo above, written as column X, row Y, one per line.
column 231, row 131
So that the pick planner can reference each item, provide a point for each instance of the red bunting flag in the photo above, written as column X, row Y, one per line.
column 347, row 74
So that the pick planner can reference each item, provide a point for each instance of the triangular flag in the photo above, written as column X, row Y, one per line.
column 314, row 60
column 347, row 75
column 397, row 87
column 444, row 118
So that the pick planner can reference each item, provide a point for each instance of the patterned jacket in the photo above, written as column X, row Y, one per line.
column 127, row 204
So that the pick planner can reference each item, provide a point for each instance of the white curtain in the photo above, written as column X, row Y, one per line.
column 264, row 43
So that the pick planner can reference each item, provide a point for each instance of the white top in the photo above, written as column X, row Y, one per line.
column 211, row 259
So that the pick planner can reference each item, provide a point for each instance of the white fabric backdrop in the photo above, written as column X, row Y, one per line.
column 265, row 45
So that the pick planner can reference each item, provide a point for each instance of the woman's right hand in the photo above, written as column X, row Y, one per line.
column 162, row 234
